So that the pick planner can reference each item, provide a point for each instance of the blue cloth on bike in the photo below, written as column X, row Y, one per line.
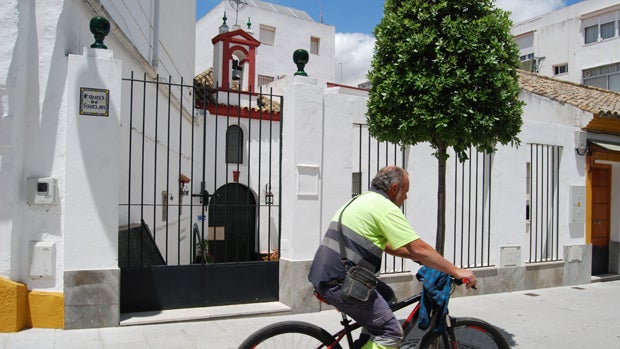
column 435, row 296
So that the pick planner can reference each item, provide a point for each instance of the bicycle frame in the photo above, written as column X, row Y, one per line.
column 349, row 327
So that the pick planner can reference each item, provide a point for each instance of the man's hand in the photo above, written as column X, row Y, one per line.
column 468, row 275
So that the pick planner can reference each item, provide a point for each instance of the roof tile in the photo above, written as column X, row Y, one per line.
column 587, row 98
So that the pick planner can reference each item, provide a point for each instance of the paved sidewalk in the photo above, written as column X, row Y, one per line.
column 583, row 316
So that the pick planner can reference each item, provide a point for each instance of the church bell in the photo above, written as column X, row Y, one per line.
column 237, row 70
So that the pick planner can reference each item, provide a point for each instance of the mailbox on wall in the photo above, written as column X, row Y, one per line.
column 41, row 191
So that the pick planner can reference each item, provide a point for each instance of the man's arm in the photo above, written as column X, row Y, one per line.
column 421, row 252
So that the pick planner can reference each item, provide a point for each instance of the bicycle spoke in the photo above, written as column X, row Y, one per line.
column 473, row 337
column 469, row 333
column 289, row 334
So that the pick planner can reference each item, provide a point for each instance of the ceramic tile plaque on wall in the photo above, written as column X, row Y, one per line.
column 94, row 101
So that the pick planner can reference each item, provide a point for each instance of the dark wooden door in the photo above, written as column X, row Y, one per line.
column 601, row 197
column 232, row 221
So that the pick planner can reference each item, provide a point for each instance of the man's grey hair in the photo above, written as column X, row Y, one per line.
column 387, row 176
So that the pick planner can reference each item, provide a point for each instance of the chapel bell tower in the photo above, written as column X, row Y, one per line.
column 234, row 59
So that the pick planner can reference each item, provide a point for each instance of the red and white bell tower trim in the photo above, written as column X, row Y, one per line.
column 228, row 47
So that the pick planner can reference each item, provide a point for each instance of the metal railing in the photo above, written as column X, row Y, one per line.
column 544, row 200
column 372, row 156
column 471, row 233
column 178, row 177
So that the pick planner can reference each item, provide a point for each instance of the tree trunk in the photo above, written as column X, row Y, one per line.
column 441, row 198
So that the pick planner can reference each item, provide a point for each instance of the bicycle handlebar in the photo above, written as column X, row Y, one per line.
column 462, row 281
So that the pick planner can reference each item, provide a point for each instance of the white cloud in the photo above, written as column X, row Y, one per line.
column 524, row 9
column 354, row 50
column 353, row 54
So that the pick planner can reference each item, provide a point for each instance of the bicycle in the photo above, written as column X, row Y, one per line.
column 462, row 332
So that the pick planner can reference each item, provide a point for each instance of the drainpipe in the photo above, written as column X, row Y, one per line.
column 155, row 47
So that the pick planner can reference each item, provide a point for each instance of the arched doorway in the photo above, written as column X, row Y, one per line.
column 232, row 224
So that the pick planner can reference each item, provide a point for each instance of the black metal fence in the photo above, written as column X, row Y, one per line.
column 469, row 235
column 203, row 171
column 471, row 228
column 543, row 201
column 372, row 156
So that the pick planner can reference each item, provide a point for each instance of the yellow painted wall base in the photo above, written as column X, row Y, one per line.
column 21, row 309
column 47, row 309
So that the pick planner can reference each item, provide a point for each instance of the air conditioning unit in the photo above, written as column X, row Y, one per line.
column 527, row 65
column 586, row 73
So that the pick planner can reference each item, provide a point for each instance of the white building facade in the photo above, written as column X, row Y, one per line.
column 60, row 161
column 523, row 218
column 578, row 43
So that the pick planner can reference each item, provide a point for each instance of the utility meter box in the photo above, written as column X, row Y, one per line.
column 41, row 191
column 577, row 211
column 43, row 259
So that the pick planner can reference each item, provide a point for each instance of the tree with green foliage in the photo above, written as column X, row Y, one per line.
column 445, row 72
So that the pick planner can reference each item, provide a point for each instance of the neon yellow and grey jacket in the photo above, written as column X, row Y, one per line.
column 368, row 224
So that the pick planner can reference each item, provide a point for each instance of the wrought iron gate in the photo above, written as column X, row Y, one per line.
column 200, row 218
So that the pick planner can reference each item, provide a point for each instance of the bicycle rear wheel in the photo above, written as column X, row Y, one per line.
column 469, row 333
column 290, row 334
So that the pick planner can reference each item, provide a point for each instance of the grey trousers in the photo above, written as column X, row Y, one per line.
column 374, row 315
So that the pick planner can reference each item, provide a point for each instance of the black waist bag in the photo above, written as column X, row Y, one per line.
column 358, row 284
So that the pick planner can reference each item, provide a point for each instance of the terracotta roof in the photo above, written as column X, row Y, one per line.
column 203, row 82
column 601, row 102
column 205, row 78
column 202, row 87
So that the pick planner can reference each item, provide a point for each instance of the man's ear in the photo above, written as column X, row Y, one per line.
column 395, row 187
column 393, row 190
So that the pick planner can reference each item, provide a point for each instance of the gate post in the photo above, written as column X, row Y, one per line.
column 302, row 141
column 90, row 206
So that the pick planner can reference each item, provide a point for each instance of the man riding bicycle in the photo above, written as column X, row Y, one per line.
column 373, row 223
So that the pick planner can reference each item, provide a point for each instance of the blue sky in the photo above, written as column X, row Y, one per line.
column 355, row 21
column 361, row 16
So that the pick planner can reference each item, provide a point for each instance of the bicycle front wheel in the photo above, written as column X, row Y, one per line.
column 469, row 333
column 290, row 334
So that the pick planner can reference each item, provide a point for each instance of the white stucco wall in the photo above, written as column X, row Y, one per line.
column 545, row 122
column 174, row 33
column 318, row 130
column 92, row 148
column 39, row 36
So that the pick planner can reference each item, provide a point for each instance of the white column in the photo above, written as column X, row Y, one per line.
column 301, row 168
column 92, row 164
column 92, row 276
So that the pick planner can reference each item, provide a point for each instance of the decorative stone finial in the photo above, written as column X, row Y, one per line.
column 224, row 26
column 100, row 27
column 249, row 24
column 301, row 57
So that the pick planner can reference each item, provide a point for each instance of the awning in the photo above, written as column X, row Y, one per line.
column 608, row 146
